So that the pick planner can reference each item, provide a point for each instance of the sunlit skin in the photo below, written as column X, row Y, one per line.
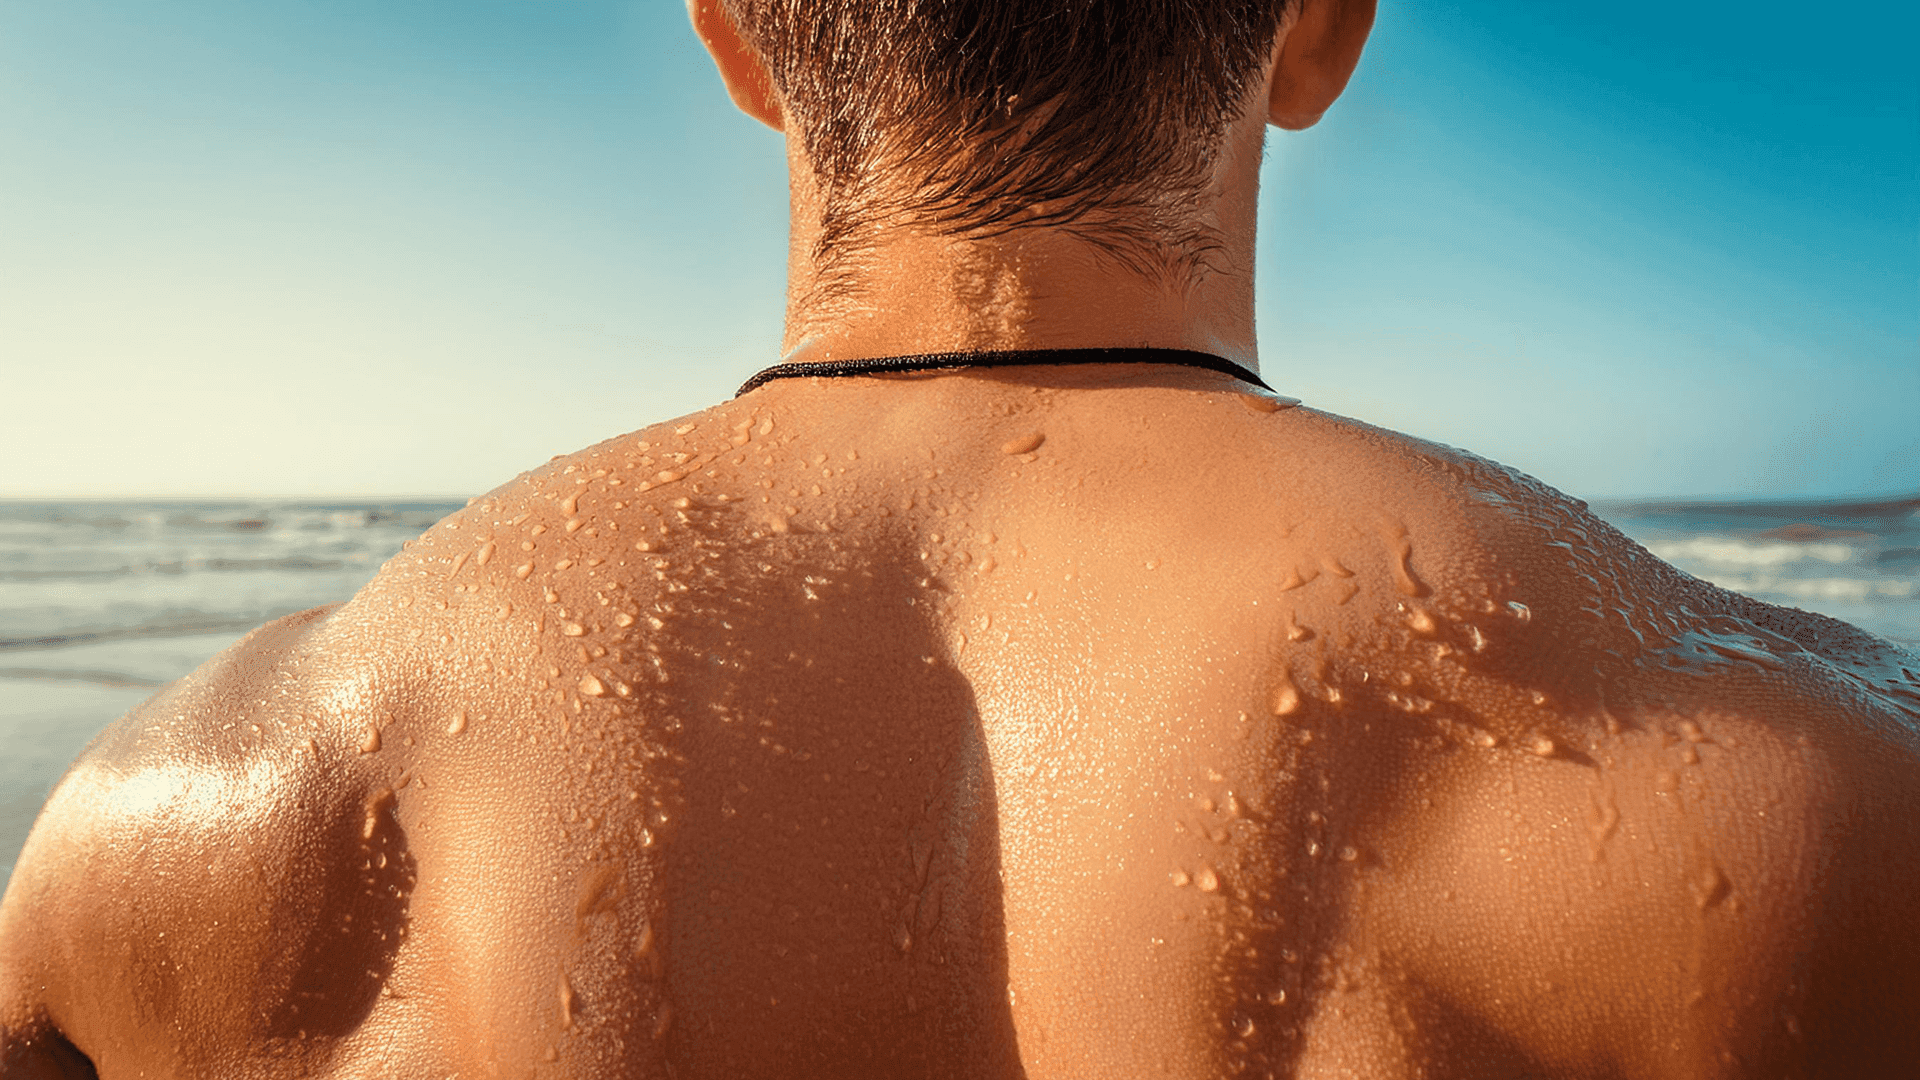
column 1091, row 722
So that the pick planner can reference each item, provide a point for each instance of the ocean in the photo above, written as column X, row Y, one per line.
column 101, row 603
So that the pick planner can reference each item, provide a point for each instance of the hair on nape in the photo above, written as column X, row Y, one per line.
column 975, row 118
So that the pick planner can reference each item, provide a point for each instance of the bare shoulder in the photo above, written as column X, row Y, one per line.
column 1653, row 807
column 176, row 896
column 230, row 872
column 1527, row 586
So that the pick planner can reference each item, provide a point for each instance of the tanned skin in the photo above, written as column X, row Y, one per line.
column 1091, row 723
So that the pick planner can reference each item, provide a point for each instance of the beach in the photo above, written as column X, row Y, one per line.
column 103, row 602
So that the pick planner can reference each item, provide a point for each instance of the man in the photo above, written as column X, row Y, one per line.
column 961, row 701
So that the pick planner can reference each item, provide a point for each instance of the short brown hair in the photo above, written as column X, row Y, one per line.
column 974, row 118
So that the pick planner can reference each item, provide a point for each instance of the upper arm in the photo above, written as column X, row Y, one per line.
column 168, row 909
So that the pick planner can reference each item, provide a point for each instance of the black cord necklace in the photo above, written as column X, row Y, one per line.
column 1010, row 358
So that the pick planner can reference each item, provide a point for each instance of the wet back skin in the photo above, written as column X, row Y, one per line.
column 1099, row 723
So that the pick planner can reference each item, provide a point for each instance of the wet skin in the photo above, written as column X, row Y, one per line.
column 1090, row 723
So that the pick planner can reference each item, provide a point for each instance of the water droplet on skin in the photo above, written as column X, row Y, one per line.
column 903, row 939
column 662, row 1021
column 523, row 570
column 566, row 1003
column 1349, row 853
column 1265, row 403
column 1711, row 887
column 1025, row 444
column 622, row 619
column 572, row 629
column 1602, row 827
column 1181, row 879
column 1691, row 732
column 381, row 802
column 592, row 687
column 459, row 561
column 371, row 744
column 1276, row 997
column 1519, row 611
column 1403, row 578
column 1285, row 700
column 458, row 724
column 1421, row 622
column 1207, row 880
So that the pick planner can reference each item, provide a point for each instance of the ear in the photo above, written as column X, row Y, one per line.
column 741, row 69
column 1316, row 57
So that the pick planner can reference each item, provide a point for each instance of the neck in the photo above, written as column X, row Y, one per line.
column 1041, row 288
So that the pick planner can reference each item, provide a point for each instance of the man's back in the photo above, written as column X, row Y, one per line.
column 1069, row 723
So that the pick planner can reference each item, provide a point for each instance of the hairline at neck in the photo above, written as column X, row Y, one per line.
column 908, row 291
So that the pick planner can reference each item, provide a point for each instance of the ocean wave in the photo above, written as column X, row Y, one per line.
column 247, row 523
column 180, row 625
column 1733, row 551
column 1795, row 510
column 174, row 567
column 1817, row 589
column 86, row 675
column 78, row 574
column 286, row 562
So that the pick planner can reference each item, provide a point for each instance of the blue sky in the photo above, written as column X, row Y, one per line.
column 410, row 247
